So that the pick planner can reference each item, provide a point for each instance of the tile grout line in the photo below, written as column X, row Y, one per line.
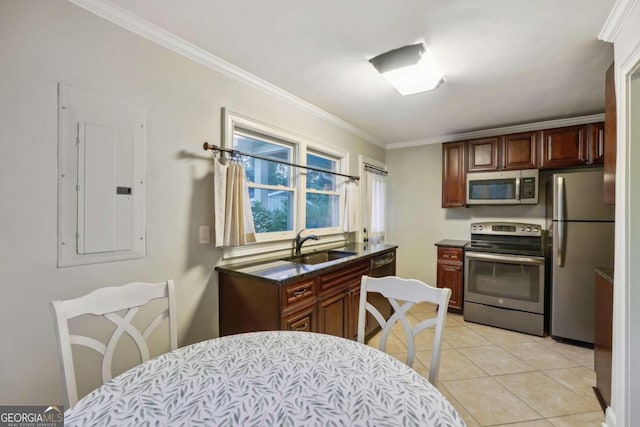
column 494, row 340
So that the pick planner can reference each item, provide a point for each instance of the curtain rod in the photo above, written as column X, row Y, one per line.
column 214, row 148
column 375, row 169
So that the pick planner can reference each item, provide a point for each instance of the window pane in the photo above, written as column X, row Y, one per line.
column 318, row 180
column 322, row 211
column 263, row 171
column 272, row 210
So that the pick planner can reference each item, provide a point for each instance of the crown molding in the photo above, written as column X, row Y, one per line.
column 616, row 19
column 549, row 124
column 154, row 33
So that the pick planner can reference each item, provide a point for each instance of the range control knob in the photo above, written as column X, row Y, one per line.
column 521, row 228
column 480, row 227
column 473, row 227
column 529, row 229
column 536, row 229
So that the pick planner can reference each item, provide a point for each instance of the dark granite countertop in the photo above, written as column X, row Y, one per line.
column 606, row 273
column 281, row 271
column 452, row 243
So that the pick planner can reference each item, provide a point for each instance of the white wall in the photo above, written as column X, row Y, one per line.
column 46, row 42
column 417, row 220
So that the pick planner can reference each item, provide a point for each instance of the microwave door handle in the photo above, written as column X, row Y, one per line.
column 518, row 188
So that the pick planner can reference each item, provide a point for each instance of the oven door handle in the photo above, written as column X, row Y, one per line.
column 511, row 259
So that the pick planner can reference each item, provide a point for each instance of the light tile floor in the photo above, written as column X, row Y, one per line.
column 497, row 377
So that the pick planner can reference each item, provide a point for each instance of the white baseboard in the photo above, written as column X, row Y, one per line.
column 609, row 418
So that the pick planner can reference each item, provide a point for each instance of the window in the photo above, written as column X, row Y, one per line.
column 286, row 199
column 270, row 184
column 322, row 199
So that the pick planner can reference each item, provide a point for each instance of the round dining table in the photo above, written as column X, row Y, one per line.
column 275, row 378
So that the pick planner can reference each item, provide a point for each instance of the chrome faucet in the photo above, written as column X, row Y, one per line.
column 300, row 240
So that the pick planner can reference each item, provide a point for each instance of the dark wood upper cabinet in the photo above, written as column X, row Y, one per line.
column 519, row 151
column 483, row 154
column 596, row 143
column 557, row 148
column 564, row 147
column 610, row 138
column 508, row 152
column 453, row 175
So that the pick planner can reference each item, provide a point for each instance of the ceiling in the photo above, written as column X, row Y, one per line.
column 506, row 62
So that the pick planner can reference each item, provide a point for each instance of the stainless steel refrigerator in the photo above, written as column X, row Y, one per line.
column 580, row 238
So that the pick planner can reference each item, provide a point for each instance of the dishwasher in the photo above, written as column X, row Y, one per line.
column 381, row 265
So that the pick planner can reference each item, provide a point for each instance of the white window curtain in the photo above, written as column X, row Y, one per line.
column 351, row 201
column 233, row 220
column 375, row 202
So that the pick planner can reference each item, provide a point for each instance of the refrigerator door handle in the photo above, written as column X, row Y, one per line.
column 559, row 236
column 560, row 199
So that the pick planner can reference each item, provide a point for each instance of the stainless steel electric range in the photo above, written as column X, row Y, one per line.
column 504, row 283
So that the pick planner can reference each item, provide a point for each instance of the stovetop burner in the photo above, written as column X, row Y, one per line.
column 506, row 238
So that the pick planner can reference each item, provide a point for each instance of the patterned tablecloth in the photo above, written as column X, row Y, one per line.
column 268, row 379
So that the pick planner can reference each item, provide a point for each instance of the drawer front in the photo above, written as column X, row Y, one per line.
column 450, row 254
column 301, row 321
column 344, row 277
column 295, row 293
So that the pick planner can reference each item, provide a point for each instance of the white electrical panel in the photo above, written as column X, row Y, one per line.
column 101, row 197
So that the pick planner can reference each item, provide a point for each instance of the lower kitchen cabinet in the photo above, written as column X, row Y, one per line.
column 301, row 320
column 450, row 272
column 338, row 300
column 332, row 313
column 325, row 302
column 603, row 334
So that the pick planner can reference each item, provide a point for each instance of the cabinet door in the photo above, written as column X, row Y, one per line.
column 596, row 143
column 332, row 315
column 301, row 320
column 353, row 309
column 483, row 154
column 610, row 138
column 453, row 175
column 603, row 338
column 519, row 151
column 450, row 276
column 564, row 147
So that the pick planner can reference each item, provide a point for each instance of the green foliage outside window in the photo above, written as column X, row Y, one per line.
column 265, row 220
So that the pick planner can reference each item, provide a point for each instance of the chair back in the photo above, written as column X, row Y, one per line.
column 108, row 303
column 402, row 295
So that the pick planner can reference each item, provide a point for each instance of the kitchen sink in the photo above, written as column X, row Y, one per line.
column 319, row 257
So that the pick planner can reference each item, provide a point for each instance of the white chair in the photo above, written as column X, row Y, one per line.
column 410, row 292
column 107, row 302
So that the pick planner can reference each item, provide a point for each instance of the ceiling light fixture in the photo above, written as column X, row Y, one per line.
column 409, row 69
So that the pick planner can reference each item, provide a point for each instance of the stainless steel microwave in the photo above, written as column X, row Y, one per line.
column 503, row 188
